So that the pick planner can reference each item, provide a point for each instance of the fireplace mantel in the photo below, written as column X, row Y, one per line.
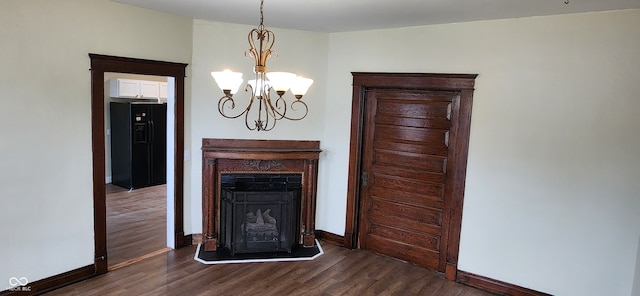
column 221, row 156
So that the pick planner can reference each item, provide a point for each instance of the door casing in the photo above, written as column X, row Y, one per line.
column 99, row 65
column 461, row 83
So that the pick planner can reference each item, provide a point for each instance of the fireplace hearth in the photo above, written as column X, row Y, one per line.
column 259, row 195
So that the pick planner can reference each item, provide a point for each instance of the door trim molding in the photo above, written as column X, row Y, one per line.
column 99, row 65
column 461, row 83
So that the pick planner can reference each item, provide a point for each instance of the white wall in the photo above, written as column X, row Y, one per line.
column 46, row 217
column 219, row 46
column 551, row 199
column 636, row 281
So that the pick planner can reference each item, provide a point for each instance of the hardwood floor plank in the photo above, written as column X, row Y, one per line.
column 136, row 222
column 338, row 271
column 135, row 260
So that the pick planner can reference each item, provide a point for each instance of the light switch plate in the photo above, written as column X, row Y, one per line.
column 187, row 155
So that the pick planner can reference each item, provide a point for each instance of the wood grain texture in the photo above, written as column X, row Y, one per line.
column 339, row 271
column 136, row 223
column 444, row 122
column 138, row 259
column 404, row 205
column 254, row 156
column 495, row 286
column 331, row 238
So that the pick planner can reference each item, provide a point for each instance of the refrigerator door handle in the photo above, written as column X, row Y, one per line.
column 151, row 132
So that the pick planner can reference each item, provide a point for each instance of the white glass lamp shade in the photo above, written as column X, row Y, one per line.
column 300, row 86
column 228, row 80
column 257, row 89
column 281, row 81
column 236, row 85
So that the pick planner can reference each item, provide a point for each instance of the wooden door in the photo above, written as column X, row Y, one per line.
column 405, row 168
column 410, row 161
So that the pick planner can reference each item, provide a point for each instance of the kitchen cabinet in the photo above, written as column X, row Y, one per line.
column 133, row 89
column 163, row 90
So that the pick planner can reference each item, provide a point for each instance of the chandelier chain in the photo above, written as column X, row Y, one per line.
column 261, row 14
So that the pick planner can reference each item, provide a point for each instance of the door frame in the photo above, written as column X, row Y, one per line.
column 99, row 65
column 460, row 83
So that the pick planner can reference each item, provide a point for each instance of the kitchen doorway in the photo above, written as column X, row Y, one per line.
column 139, row 161
column 101, row 64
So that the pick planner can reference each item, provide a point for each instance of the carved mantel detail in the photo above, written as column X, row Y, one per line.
column 261, row 165
column 259, row 156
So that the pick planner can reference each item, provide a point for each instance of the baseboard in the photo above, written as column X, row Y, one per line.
column 196, row 239
column 108, row 180
column 183, row 240
column 494, row 286
column 54, row 282
column 70, row 277
column 329, row 237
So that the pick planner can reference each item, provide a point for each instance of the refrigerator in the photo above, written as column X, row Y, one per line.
column 138, row 144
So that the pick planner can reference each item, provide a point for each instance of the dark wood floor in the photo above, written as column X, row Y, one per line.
column 337, row 272
column 136, row 223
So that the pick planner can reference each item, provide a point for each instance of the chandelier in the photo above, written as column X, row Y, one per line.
column 268, row 111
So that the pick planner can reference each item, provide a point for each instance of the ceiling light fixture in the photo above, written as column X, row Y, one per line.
column 269, row 111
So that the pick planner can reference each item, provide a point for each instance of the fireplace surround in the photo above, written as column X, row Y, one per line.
column 229, row 157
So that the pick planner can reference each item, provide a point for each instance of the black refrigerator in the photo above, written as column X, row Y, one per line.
column 138, row 144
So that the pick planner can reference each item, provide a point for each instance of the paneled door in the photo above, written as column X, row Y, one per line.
column 411, row 164
column 404, row 211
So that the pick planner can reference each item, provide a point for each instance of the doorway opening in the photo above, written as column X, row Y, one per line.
column 139, row 161
column 101, row 64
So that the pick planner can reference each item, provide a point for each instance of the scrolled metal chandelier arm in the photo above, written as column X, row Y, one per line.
column 293, row 104
column 268, row 111
column 228, row 99
column 274, row 109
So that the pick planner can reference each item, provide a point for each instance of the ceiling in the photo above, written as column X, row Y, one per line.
column 354, row 15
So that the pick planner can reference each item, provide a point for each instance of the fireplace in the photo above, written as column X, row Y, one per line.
column 259, row 195
column 260, row 212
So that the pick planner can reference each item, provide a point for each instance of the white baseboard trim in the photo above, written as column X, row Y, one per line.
column 108, row 180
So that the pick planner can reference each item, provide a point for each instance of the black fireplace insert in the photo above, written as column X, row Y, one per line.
column 260, row 212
